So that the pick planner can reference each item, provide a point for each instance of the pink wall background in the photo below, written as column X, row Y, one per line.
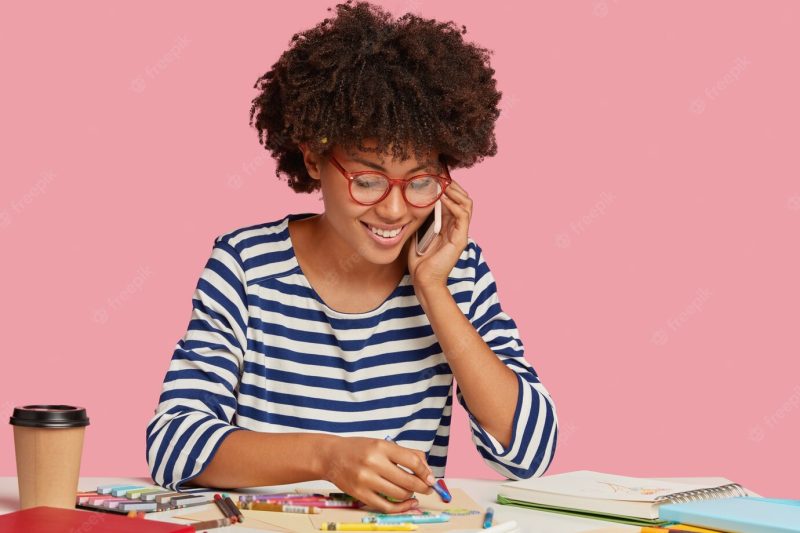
column 642, row 216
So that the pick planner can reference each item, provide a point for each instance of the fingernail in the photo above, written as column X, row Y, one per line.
column 415, row 503
column 430, row 479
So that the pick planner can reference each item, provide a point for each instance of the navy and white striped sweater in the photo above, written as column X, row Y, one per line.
column 263, row 352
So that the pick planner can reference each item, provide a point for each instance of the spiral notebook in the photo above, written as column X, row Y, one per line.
column 610, row 497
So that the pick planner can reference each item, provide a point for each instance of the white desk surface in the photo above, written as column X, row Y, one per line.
column 484, row 492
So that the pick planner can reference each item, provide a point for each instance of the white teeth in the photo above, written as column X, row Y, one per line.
column 385, row 233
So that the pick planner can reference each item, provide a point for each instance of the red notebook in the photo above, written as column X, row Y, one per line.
column 53, row 520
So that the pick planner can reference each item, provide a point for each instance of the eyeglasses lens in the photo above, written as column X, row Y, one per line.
column 420, row 191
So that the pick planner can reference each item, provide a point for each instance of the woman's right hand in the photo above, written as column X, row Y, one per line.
column 365, row 468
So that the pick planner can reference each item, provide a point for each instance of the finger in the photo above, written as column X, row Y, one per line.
column 424, row 460
column 454, row 183
column 460, row 197
column 420, row 477
column 453, row 193
column 455, row 186
column 413, row 460
column 389, row 487
column 456, row 208
column 409, row 482
column 374, row 501
column 382, row 487
column 463, row 209
column 458, row 233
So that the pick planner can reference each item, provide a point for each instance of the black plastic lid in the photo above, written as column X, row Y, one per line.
column 49, row 416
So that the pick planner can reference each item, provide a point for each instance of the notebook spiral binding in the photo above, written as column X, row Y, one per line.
column 730, row 490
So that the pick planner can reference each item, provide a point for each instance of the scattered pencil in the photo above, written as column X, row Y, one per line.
column 223, row 506
column 234, row 508
column 211, row 524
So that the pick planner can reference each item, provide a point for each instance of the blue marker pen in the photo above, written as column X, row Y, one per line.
column 443, row 494
column 488, row 517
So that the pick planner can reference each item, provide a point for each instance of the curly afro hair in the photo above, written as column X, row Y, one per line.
column 410, row 82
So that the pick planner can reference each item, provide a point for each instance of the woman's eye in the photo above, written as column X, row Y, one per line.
column 368, row 182
column 422, row 183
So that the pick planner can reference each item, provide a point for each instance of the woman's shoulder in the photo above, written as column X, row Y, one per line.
column 261, row 250
column 467, row 264
column 273, row 231
column 471, row 253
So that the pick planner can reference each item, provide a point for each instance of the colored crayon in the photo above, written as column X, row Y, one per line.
column 488, row 518
column 122, row 491
column 280, row 495
column 407, row 518
column 258, row 506
column 443, row 494
column 108, row 489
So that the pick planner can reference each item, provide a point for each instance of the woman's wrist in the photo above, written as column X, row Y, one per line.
column 324, row 446
column 426, row 293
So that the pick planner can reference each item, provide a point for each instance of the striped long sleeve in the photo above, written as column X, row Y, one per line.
column 534, row 434
column 198, row 401
column 264, row 352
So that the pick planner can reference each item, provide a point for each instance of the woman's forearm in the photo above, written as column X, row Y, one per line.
column 253, row 459
column 489, row 387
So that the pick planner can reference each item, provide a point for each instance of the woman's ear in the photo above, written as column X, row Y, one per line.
column 312, row 161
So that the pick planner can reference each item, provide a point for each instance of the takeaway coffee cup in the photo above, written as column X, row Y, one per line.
column 48, row 440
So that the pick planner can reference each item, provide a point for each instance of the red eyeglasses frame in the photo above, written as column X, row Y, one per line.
column 444, row 181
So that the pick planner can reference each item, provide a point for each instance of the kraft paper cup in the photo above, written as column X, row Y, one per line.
column 48, row 440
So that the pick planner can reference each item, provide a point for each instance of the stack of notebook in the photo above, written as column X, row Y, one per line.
column 608, row 497
column 705, row 502
column 738, row 515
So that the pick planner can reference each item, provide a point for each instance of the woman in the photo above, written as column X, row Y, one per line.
column 316, row 338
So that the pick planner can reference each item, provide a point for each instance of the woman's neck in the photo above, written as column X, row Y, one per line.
column 325, row 252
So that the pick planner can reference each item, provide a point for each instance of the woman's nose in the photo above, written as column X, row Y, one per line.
column 393, row 206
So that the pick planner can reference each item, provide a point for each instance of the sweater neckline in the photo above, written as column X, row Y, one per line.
column 295, row 264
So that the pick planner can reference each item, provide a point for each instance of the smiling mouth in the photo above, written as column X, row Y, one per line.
column 380, row 232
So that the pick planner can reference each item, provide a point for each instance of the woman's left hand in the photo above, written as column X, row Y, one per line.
column 433, row 268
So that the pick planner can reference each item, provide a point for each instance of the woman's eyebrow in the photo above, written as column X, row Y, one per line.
column 378, row 167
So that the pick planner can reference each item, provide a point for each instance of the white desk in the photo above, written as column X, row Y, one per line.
column 484, row 492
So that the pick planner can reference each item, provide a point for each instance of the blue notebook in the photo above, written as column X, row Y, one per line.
column 737, row 515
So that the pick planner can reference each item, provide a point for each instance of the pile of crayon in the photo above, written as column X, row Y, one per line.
column 295, row 502
column 312, row 503
column 126, row 499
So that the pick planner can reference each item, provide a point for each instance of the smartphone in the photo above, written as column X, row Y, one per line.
column 429, row 229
